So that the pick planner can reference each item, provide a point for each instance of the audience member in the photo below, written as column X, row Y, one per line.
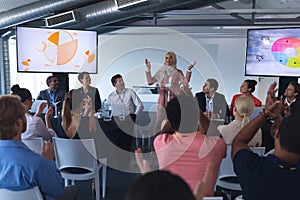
column 20, row 167
column 212, row 103
column 35, row 125
column 291, row 98
column 188, row 145
column 277, row 175
column 246, row 89
column 243, row 108
column 126, row 97
column 54, row 95
column 169, row 79
column 159, row 185
column 87, row 90
column 77, row 120
column 160, row 182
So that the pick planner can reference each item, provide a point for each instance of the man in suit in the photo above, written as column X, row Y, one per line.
column 212, row 103
column 291, row 98
column 53, row 94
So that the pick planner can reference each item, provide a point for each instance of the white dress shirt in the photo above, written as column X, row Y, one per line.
column 128, row 97
column 37, row 128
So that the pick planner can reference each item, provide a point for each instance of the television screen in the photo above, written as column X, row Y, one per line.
column 56, row 50
column 273, row 52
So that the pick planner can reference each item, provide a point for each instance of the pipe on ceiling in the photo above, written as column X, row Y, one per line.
column 38, row 10
column 106, row 12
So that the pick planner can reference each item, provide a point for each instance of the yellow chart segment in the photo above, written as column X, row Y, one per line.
column 54, row 38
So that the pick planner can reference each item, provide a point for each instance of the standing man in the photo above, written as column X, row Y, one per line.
column 212, row 103
column 21, row 168
column 53, row 95
column 126, row 97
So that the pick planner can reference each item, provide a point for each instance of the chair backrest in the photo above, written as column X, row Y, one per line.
column 212, row 198
column 226, row 168
column 75, row 153
column 255, row 112
column 35, row 144
column 30, row 194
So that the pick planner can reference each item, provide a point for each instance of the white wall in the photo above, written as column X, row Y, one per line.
column 220, row 57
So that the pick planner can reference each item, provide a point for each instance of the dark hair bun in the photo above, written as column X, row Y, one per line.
column 254, row 82
column 15, row 88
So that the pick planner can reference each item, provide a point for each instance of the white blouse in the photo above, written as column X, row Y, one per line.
column 229, row 132
column 37, row 128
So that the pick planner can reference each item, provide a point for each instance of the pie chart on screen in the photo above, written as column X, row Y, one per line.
column 61, row 47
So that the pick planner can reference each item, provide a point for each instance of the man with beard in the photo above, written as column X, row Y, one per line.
column 21, row 168
column 53, row 95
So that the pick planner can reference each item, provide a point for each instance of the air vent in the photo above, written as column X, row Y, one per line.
column 123, row 4
column 61, row 19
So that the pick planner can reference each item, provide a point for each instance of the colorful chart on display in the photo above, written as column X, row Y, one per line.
column 56, row 50
column 273, row 52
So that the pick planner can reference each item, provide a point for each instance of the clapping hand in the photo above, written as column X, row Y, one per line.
column 49, row 113
column 48, row 150
column 87, row 106
column 201, row 187
column 141, row 162
column 40, row 109
column 273, row 107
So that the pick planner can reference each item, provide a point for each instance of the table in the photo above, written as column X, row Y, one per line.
column 119, row 132
column 113, row 141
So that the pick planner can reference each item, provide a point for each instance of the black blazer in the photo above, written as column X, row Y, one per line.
column 95, row 96
column 220, row 106
column 59, row 95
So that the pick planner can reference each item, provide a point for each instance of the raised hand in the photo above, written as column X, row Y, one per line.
column 141, row 162
column 201, row 187
column 192, row 65
column 41, row 108
column 273, row 107
column 48, row 150
column 148, row 65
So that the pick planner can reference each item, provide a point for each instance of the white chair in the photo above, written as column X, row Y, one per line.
column 270, row 152
column 226, row 170
column 35, row 144
column 30, row 194
column 255, row 112
column 212, row 198
column 80, row 154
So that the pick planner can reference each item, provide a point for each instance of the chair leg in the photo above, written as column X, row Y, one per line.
column 104, row 172
column 66, row 182
column 97, row 185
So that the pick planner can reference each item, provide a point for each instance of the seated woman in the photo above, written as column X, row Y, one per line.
column 188, row 145
column 246, row 89
column 243, row 107
column 35, row 125
column 77, row 120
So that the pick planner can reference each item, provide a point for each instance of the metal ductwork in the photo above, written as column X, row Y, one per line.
column 107, row 12
column 38, row 10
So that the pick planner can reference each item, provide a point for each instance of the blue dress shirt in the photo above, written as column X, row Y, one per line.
column 21, row 169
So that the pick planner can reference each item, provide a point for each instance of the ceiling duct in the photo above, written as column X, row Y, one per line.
column 106, row 12
column 123, row 4
column 61, row 19
column 39, row 10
